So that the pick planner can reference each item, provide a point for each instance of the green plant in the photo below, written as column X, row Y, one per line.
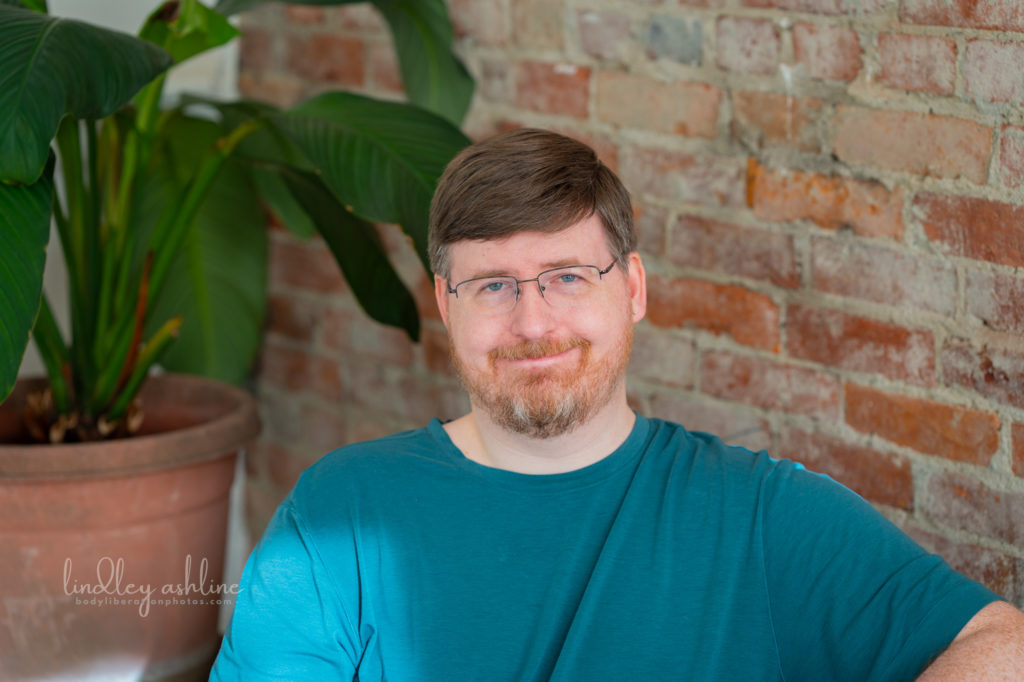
column 160, row 218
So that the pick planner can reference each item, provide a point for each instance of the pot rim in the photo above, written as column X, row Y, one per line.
column 219, row 436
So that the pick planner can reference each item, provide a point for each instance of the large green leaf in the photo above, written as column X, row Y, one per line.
column 186, row 28
column 383, row 159
column 358, row 249
column 24, row 233
column 50, row 67
column 218, row 281
column 266, row 150
column 433, row 75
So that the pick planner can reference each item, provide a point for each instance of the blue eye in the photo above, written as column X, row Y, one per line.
column 568, row 278
column 494, row 286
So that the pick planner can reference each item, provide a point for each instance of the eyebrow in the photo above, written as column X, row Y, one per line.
column 548, row 265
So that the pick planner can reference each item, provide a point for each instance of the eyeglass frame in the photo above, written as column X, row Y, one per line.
column 600, row 276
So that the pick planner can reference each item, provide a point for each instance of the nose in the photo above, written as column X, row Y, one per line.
column 532, row 317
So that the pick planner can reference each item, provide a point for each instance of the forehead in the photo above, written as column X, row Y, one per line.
column 530, row 252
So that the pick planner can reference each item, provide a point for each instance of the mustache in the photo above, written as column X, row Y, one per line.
column 528, row 350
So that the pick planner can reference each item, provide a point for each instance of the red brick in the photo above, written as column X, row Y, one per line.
column 676, row 38
column 435, row 351
column 683, row 177
column 363, row 19
column 281, row 414
column 974, row 228
column 997, row 299
column 257, row 458
column 292, row 317
column 998, row 572
column 993, row 373
column 769, row 385
column 1017, row 432
column 326, row 58
column 883, row 275
column 750, row 45
column 256, row 50
column 365, row 426
column 376, row 386
column 1007, row 15
column 750, row 318
column 993, row 71
column 922, row 144
column 650, row 222
column 383, row 68
column 851, row 7
column 299, row 15
column 957, row 433
column 767, row 119
column 423, row 401
column 335, row 325
column 300, row 371
column 733, row 424
column 827, row 52
column 967, row 504
column 323, row 429
column 423, row 293
column 553, row 88
column 1011, row 157
column 372, row 340
column 633, row 101
column 604, row 35
column 662, row 357
column 492, row 85
column 730, row 249
column 920, row 63
column 860, row 344
column 280, row 91
column 882, row 477
column 832, row 202
column 261, row 500
column 538, row 24
column 285, row 466
column 305, row 265
column 482, row 20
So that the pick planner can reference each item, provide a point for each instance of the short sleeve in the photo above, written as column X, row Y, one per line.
column 852, row 596
column 288, row 623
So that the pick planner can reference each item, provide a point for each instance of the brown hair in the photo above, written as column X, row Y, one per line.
column 526, row 180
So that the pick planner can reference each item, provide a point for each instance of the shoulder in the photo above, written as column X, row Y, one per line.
column 708, row 454
column 369, row 468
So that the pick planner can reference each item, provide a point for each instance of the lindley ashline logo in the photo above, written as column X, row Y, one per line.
column 112, row 588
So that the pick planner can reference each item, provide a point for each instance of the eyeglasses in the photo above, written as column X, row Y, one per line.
column 560, row 287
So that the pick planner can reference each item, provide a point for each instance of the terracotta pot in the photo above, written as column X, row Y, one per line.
column 112, row 553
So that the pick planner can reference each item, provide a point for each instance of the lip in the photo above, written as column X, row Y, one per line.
column 539, row 363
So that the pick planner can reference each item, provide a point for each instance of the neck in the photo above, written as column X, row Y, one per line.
column 482, row 440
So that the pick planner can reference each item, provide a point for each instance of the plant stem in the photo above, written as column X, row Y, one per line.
column 54, row 354
column 125, row 347
column 73, row 239
column 173, row 225
column 150, row 353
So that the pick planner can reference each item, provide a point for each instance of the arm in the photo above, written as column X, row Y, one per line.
column 289, row 622
column 989, row 647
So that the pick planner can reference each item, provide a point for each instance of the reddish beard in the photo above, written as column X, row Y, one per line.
column 546, row 402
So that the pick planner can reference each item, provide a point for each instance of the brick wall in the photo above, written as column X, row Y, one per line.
column 830, row 197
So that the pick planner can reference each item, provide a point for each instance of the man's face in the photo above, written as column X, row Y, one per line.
column 541, row 370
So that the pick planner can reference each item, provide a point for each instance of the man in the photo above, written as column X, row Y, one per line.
column 554, row 534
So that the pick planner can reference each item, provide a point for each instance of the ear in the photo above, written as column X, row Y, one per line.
column 441, row 296
column 636, row 280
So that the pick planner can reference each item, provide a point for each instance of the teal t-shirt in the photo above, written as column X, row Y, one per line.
column 675, row 557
